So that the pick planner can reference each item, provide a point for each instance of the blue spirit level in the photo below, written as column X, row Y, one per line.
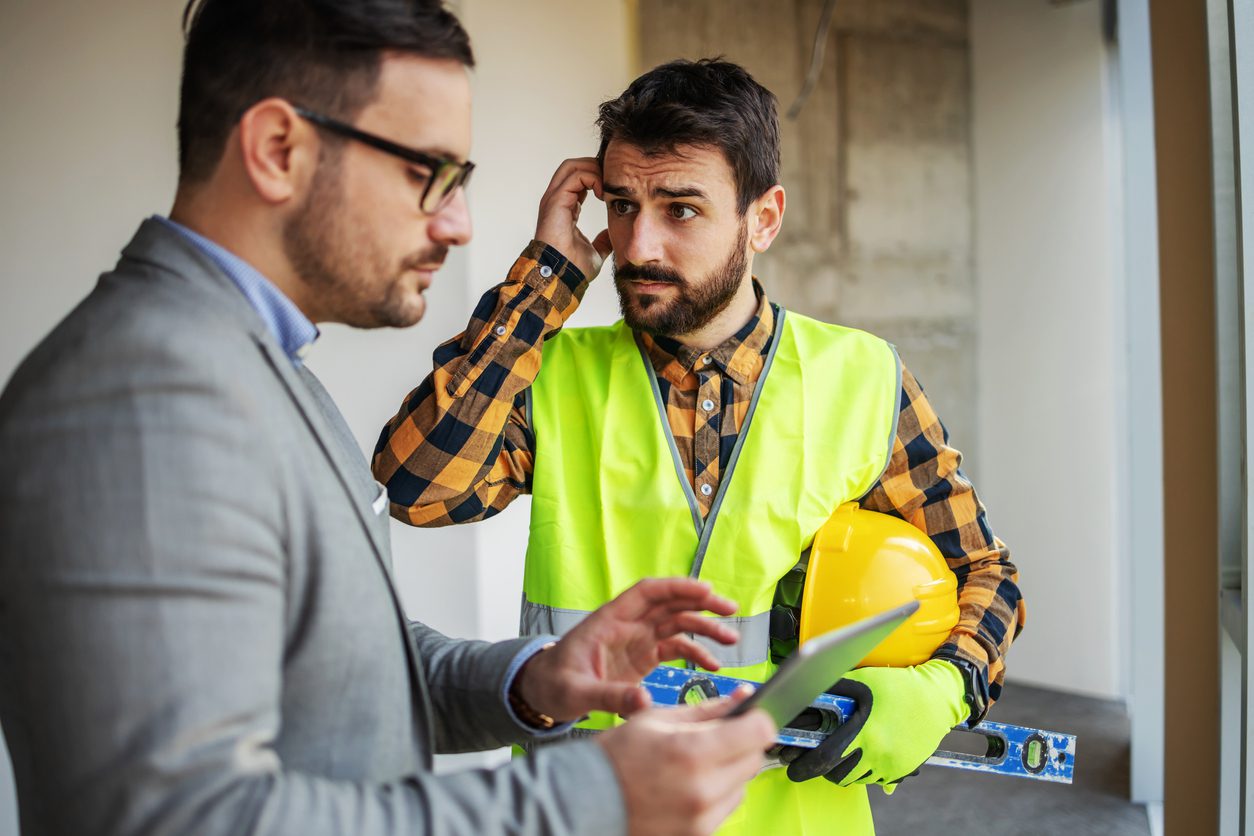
column 1010, row 750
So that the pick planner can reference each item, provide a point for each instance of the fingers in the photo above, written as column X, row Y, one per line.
column 559, row 207
column 750, row 733
column 691, row 622
column 572, row 181
column 832, row 757
column 682, row 647
column 684, row 769
column 718, row 709
column 702, row 711
column 587, row 165
column 658, row 597
column 619, row 698
column 557, row 223
column 788, row 754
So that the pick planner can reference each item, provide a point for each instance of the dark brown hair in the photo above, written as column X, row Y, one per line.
column 322, row 54
column 708, row 103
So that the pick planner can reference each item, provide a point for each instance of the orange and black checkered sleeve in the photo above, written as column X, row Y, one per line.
column 925, row 486
column 459, row 449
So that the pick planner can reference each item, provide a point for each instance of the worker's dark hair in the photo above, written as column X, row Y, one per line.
column 321, row 54
column 711, row 103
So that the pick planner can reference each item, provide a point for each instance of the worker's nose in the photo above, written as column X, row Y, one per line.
column 643, row 243
column 450, row 225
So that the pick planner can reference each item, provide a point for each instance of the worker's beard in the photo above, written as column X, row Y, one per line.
column 691, row 306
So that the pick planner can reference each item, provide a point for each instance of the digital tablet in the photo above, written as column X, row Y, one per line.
column 820, row 663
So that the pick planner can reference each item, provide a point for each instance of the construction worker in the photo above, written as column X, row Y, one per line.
column 710, row 432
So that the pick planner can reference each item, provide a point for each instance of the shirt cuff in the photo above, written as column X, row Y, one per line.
column 530, row 649
column 549, row 264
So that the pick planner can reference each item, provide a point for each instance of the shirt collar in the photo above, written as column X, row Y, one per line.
column 291, row 328
column 741, row 356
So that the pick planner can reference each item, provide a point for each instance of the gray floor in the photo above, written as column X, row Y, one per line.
column 945, row 801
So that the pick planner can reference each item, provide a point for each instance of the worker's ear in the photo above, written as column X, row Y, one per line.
column 279, row 150
column 766, row 215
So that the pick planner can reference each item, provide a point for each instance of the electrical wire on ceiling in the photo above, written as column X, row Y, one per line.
column 816, row 59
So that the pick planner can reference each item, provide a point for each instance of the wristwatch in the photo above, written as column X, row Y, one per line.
column 975, row 687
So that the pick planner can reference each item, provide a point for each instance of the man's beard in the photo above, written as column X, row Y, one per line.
column 351, row 279
column 693, row 305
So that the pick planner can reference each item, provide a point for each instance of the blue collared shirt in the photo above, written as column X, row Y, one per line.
column 293, row 330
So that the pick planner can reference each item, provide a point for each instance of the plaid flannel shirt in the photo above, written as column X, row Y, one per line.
column 460, row 450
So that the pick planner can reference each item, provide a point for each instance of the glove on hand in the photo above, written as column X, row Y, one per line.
column 901, row 717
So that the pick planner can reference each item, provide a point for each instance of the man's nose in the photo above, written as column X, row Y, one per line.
column 644, row 242
column 450, row 225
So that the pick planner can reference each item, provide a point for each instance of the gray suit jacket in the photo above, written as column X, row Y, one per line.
column 198, row 627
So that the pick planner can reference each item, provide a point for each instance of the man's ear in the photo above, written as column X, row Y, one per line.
column 279, row 150
column 766, row 215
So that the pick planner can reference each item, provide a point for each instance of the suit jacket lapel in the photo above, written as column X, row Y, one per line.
column 158, row 245
column 319, row 424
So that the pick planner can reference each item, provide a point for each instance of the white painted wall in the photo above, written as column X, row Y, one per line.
column 90, row 98
column 542, row 69
column 1049, row 368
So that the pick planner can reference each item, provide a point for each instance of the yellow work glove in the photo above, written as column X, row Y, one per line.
column 901, row 717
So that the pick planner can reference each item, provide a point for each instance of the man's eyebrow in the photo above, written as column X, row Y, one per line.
column 682, row 191
column 440, row 152
column 677, row 192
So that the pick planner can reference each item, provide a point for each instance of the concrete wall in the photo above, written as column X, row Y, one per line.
column 1049, row 366
column 924, row 110
column 877, row 232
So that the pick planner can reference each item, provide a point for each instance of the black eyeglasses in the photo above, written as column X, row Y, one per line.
column 446, row 177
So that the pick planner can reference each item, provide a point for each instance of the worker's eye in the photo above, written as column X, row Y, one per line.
column 622, row 207
column 682, row 212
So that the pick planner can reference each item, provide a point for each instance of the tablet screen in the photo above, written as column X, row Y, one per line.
column 820, row 663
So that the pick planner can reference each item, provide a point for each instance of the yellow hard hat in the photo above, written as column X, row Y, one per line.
column 863, row 563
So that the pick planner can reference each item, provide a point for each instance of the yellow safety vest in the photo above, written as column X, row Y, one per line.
column 611, row 503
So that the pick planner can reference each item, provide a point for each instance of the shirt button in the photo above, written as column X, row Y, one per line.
column 546, row 270
column 707, row 359
column 707, row 489
column 707, row 404
column 500, row 330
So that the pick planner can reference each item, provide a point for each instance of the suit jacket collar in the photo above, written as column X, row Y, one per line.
column 160, row 246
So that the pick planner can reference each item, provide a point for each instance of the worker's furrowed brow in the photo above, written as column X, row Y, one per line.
column 672, row 193
column 682, row 191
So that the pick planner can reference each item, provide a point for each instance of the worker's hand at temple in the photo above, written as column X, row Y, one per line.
column 683, row 770
column 901, row 718
column 598, row 665
column 557, row 225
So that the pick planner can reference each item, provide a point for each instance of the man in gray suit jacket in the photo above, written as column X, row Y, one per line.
column 198, row 627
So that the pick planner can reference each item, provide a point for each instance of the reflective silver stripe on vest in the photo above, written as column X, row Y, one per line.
column 753, row 648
